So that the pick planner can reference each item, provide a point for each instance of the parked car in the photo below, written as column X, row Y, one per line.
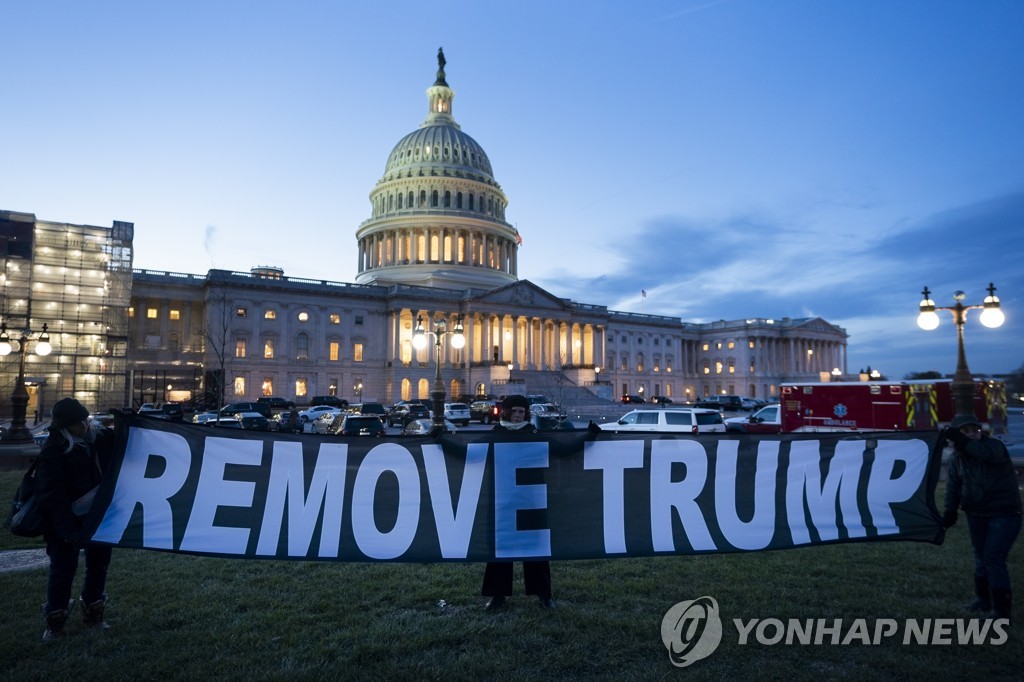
column 283, row 422
column 316, row 412
column 357, row 425
column 548, row 417
column 402, row 413
column 669, row 419
column 225, row 423
column 203, row 417
column 749, row 404
column 765, row 420
column 234, row 408
column 275, row 402
column 483, row 411
column 726, row 403
column 253, row 421
column 661, row 400
column 376, row 409
column 169, row 411
column 632, row 399
column 423, row 427
column 457, row 413
column 331, row 400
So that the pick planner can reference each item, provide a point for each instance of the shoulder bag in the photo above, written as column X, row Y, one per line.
column 25, row 517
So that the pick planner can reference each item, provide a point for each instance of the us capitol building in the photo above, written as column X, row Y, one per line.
column 436, row 247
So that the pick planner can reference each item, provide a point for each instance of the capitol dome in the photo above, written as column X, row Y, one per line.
column 438, row 213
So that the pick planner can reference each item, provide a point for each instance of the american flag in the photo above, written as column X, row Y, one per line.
column 643, row 293
column 519, row 240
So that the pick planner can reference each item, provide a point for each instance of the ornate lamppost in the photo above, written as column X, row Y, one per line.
column 419, row 341
column 18, row 433
column 991, row 316
column 358, row 388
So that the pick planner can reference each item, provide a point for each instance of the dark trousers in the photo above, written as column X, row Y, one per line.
column 498, row 579
column 992, row 537
column 64, row 565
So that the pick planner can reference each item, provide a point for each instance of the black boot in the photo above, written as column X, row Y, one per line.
column 55, row 621
column 92, row 614
column 1002, row 603
column 496, row 602
column 982, row 602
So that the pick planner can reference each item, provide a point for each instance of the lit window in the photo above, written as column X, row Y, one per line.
column 718, row 366
column 732, row 344
column 718, row 345
column 357, row 352
column 301, row 387
column 333, row 351
column 269, row 314
column 239, row 384
column 131, row 312
column 268, row 348
column 704, row 347
column 151, row 313
column 241, row 312
column 732, row 367
column 750, row 344
column 239, row 348
column 335, row 318
column 175, row 314
column 303, row 316
column 268, row 386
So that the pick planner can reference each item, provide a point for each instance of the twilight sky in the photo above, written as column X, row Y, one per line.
column 733, row 158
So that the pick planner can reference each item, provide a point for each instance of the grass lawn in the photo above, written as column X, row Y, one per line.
column 185, row 617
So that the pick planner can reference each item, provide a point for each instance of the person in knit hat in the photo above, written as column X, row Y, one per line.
column 68, row 476
column 515, row 419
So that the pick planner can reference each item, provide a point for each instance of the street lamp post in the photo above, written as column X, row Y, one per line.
column 419, row 340
column 358, row 388
column 19, row 433
column 991, row 316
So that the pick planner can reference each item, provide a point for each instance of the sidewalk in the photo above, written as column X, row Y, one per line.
column 22, row 559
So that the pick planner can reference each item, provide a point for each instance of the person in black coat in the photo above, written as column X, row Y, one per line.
column 497, row 585
column 68, row 477
column 983, row 483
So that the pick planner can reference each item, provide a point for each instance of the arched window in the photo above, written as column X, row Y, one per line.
column 399, row 201
column 447, row 199
column 411, row 196
column 423, row 198
column 458, row 200
column 433, row 198
column 639, row 362
column 471, row 201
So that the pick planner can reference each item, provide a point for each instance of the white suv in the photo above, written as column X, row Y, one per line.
column 672, row 419
column 457, row 413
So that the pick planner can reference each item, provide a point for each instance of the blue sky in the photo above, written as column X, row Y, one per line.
column 733, row 158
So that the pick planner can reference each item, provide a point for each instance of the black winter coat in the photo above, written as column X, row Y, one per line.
column 63, row 477
column 982, row 480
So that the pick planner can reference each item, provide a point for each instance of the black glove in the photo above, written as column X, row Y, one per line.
column 955, row 437
column 949, row 518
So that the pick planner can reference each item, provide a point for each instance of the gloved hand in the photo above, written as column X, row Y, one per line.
column 949, row 518
column 954, row 436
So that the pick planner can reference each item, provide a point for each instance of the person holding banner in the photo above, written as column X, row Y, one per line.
column 983, row 483
column 68, row 476
column 498, row 574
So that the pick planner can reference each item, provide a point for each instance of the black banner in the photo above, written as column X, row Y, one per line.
column 482, row 495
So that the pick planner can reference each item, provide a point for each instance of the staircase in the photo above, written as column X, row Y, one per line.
column 576, row 400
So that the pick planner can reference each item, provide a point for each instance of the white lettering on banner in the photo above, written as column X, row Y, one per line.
column 884, row 490
column 152, row 494
column 759, row 531
column 613, row 458
column 212, row 492
column 325, row 498
column 509, row 498
column 804, row 485
column 393, row 458
column 454, row 528
column 679, row 496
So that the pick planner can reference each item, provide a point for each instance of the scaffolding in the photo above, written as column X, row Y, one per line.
column 77, row 280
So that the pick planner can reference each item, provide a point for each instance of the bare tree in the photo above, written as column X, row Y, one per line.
column 216, row 335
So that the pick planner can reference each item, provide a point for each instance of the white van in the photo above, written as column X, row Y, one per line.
column 672, row 419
